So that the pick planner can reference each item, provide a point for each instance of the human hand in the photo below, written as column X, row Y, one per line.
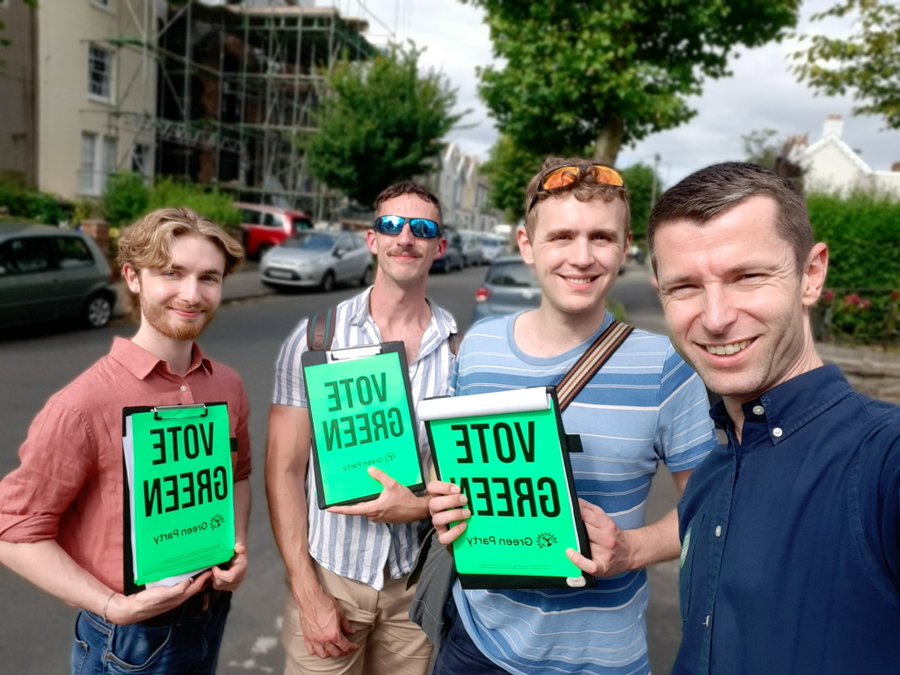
column 230, row 577
column 395, row 504
column 611, row 550
column 128, row 609
column 323, row 624
column 447, row 505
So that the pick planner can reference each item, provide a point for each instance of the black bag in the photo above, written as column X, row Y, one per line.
column 433, row 574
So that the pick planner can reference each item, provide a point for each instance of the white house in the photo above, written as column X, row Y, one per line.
column 831, row 165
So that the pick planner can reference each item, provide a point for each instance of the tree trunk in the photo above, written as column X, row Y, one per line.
column 606, row 148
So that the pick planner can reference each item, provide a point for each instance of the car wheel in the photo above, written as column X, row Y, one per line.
column 97, row 310
column 328, row 282
column 367, row 277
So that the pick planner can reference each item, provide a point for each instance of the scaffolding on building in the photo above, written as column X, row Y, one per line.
column 237, row 88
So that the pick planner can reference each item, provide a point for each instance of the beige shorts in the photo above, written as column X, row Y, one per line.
column 389, row 642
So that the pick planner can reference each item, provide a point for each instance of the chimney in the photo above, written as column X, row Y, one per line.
column 834, row 124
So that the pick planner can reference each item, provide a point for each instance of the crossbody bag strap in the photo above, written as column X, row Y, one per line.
column 590, row 362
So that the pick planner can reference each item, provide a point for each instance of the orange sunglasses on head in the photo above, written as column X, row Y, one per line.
column 563, row 176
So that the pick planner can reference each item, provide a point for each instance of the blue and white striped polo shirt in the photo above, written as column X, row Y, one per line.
column 353, row 546
column 644, row 406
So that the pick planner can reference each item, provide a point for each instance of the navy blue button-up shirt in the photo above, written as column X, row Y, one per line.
column 790, row 556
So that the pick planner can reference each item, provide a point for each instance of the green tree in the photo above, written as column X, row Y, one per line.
column 761, row 148
column 380, row 121
column 583, row 77
column 643, row 190
column 509, row 168
column 866, row 63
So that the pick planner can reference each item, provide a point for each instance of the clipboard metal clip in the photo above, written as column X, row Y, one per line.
column 161, row 411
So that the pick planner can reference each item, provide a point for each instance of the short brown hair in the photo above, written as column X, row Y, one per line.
column 585, row 188
column 147, row 244
column 710, row 192
column 409, row 187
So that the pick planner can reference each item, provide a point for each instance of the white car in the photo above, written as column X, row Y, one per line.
column 320, row 258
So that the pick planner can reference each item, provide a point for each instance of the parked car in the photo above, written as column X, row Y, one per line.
column 509, row 286
column 320, row 258
column 47, row 273
column 492, row 246
column 264, row 227
column 453, row 256
column 472, row 250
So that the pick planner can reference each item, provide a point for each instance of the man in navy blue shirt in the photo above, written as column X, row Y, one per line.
column 790, row 559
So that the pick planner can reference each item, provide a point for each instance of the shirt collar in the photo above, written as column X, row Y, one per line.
column 792, row 404
column 140, row 363
column 442, row 320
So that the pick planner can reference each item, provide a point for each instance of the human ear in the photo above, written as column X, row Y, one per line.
column 814, row 274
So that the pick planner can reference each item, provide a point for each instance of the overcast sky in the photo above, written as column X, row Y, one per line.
column 761, row 94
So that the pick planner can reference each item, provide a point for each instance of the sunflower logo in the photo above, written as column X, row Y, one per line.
column 216, row 521
column 545, row 540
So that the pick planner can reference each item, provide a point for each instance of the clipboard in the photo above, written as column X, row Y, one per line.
column 509, row 453
column 179, row 518
column 361, row 416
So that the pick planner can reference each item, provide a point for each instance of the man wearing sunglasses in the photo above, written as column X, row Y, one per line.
column 644, row 405
column 347, row 567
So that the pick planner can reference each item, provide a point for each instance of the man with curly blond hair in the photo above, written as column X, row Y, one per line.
column 62, row 509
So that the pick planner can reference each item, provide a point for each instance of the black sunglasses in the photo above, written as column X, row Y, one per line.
column 392, row 226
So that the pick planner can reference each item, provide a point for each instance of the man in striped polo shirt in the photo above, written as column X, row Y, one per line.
column 643, row 406
column 347, row 567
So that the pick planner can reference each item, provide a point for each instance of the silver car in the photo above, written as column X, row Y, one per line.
column 510, row 286
column 320, row 258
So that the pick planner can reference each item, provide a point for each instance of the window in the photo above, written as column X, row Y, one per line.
column 88, row 155
column 72, row 252
column 98, row 160
column 27, row 255
column 99, row 72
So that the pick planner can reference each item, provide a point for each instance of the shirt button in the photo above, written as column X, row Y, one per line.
column 183, row 387
column 758, row 410
column 777, row 432
column 718, row 530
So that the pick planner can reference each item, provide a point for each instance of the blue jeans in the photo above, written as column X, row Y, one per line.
column 188, row 646
column 458, row 653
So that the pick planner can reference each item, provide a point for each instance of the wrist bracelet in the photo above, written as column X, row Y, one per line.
column 106, row 606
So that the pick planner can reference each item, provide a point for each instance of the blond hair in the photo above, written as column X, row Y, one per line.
column 148, row 243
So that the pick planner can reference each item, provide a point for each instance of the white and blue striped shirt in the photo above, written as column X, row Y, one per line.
column 644, row 406
column 353, row 546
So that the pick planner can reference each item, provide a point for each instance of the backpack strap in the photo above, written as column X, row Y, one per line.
column 320, row 329
column 591, row 361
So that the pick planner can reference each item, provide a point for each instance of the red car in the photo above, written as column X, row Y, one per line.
column 267, row 226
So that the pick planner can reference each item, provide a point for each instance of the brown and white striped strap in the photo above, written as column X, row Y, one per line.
column 590, row 362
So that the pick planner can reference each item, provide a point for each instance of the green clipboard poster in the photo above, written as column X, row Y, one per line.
column 178, row 491
column 361, row 415
column 508, row 453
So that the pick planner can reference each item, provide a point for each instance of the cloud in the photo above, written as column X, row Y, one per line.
column 761, row 94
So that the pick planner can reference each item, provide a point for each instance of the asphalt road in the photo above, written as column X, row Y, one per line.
column 35, row 635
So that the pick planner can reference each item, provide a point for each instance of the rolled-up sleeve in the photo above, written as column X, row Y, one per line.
column 56, row 459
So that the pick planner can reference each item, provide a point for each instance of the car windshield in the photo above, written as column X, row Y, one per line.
column 513, row 273
column 310, row 241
